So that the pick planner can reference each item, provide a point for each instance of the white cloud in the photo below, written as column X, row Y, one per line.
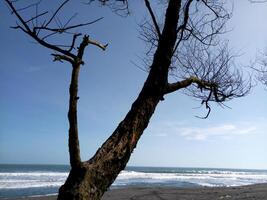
column 225, row 131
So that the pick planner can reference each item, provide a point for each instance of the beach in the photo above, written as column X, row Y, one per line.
column 24, row 181
column 250, row 192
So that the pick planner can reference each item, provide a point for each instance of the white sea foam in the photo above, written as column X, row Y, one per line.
column 46, row 195
column 210, row 178
column 31, row 180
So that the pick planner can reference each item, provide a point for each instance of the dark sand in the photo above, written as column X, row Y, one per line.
column 252, row 192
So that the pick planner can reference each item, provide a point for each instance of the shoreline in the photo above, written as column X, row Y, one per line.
column 249, row 192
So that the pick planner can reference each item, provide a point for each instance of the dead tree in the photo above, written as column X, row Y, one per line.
column 185, row 48
column 41, row 30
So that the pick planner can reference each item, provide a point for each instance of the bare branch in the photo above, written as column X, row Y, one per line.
column 73, row 41
column 210, row 7
column 63, row 29
column 95, row 43
column 27, row 7
column 55, row 13
column 186, row 16
column 14, row 11
column 260, row 66
column 35, row 17
column 58, row 57
column 153, row 17
column 182, row 27
column 212, row 76
column 72, row 17
column 120, row 7
column 33, row 34
column 64, row 52
column 172, row 87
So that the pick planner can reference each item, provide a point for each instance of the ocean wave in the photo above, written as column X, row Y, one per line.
column 203, row 179
column 245, row 175
column 209, row 178
column 31, row 180
column 32, row 174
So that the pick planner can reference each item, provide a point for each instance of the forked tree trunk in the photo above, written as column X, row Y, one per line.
column 89, row 180
column 93, row 178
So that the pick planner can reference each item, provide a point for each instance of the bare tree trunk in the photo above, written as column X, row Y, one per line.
column 92, row 178
column 74, row 149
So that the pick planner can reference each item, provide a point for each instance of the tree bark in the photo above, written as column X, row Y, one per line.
column 92, row 178
column 74, row 148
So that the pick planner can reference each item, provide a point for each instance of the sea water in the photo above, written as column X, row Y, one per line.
column 35, row 180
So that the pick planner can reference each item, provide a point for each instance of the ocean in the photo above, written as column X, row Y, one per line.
column 42, row 180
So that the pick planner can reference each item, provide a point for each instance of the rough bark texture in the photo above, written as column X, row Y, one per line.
column 92, row 178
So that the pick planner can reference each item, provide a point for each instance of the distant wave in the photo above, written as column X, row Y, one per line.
column 24, row 180
column 210, row 178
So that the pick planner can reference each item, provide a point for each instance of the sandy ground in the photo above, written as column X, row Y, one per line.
column 252, row 192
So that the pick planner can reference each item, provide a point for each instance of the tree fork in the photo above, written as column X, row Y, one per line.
column 97, row 174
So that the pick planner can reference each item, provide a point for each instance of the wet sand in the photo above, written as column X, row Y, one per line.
column 252, row 192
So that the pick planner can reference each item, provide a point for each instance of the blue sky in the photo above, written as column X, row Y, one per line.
column 34, row 98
